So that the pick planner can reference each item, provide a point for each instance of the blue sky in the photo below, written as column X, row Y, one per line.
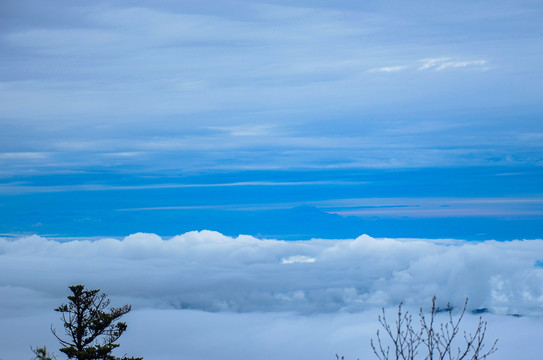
column 323, row 119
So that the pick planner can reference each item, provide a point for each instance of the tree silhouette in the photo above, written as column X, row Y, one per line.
column 91, row 329
column 431, row 341
column 42, row 354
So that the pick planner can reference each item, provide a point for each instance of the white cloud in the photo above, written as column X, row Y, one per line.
column 446, row 63
column 209, row 271
column 438, row 64
column 270, row 291
column 21, row 187
column 456, row 64
column 429, row 63
column 297, row 259
column 389, row 68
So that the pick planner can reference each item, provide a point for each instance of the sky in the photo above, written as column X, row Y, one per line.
column 376, row 116
column 286, row 166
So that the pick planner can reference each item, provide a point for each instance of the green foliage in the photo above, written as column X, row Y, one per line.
column 91, row 329
column 42, row 354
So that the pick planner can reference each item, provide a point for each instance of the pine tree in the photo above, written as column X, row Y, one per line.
column 42, row 354
column 91, row 329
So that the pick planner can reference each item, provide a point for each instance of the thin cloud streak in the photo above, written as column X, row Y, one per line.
column 21, row 188
column 438, row 207
column 389, row 68
column 406, row 211
column 443, row 63
column 437, row 64
column 424, row 207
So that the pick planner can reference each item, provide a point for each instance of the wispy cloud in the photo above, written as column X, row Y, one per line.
column 435, row 207
column 389, row 68
column 23, row 155
column 246, row 130
column 443, row 63
column 429, row 63
column 424, row 207
column 24, row 188
column 437, row 64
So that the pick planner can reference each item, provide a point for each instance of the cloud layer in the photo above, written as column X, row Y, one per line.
column 197, row 335
column 283, row 85
column 212, row 272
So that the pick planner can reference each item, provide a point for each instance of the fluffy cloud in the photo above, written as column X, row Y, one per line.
column 212, row 272
column 285, row 299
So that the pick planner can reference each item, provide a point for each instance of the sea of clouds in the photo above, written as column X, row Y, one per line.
column 209, row 271
column 245, row 295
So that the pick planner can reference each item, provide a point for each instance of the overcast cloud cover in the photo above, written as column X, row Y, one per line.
column 245, row 84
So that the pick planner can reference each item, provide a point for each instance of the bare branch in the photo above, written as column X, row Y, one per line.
column 439, row 340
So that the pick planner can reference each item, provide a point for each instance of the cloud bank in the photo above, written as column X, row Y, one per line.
column 212, row 272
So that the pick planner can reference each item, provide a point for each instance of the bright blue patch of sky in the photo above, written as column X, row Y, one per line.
column 316, row 118
column 467, row 203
